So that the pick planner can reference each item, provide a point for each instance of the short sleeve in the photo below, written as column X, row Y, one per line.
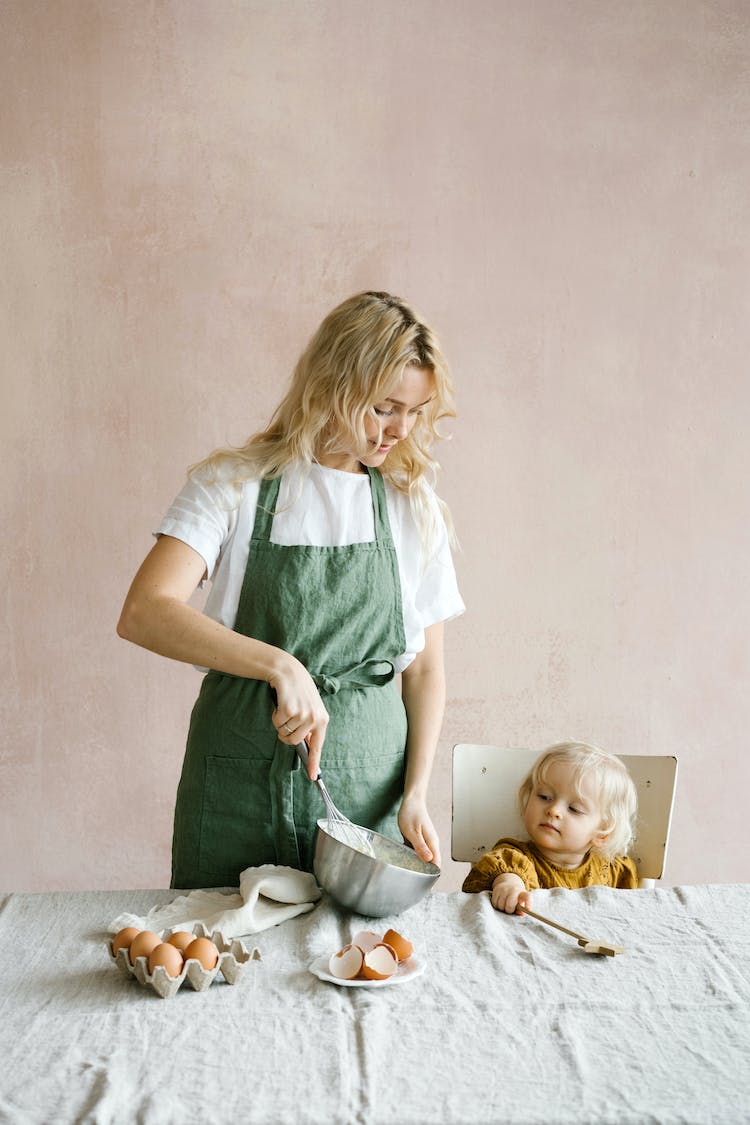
column 437, row 597
column 201, row 515
column 504, row 858
column 429, row 590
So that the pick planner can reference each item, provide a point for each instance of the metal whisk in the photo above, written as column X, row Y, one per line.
column 339, row 826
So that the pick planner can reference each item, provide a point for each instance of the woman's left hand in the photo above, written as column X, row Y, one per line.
column 418, row 830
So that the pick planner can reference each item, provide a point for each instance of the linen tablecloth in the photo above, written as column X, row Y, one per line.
column 510, row 1022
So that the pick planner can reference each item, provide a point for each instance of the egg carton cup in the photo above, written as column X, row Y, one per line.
column 234, row 958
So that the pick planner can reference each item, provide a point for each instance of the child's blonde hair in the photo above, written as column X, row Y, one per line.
column 614, row 787
column 353, row 361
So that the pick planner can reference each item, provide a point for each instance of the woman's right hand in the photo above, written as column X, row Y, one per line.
column 509, row 892
column 300, row 715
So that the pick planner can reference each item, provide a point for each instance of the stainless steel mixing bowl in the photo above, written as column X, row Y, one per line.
column 388, row 882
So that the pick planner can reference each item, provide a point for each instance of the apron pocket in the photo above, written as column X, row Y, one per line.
column 236, row 830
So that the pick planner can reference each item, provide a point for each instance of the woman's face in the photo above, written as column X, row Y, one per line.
column 392, row 420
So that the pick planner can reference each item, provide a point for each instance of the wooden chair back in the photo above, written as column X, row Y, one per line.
column 486, row 780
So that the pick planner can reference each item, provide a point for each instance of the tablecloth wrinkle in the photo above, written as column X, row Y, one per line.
column 510, row 1023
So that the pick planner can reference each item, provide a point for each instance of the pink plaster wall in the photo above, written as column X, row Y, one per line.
column 563, row 188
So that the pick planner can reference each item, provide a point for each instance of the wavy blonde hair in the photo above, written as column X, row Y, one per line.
column 353, row 361
column 614, row 786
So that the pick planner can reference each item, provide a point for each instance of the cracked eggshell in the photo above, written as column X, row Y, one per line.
column 366, row 940
column 347, row 963
column 401, row 946
column 379, row 963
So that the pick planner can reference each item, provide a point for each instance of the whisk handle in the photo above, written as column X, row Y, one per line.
column 303, row 755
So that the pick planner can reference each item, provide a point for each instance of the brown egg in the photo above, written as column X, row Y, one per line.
column 142, row 945
column 166, row 955
column 124, row 938
column 400, row 945
column 181, row 940
column 203, row 950
column 347, row 963
column 380, row 963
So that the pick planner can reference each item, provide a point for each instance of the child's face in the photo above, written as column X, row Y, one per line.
column 561, row 822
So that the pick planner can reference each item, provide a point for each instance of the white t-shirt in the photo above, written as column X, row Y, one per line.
column 322, row 508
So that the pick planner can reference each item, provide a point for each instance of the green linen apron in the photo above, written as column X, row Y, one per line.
column 243, row 797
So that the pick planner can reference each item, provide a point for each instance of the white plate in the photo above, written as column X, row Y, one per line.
column 407, row 970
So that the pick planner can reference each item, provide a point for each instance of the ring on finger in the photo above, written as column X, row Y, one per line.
column 287, row 728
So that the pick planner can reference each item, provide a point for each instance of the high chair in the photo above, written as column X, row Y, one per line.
column 486, row 780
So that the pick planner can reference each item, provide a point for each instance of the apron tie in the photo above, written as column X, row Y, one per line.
column 370, row 673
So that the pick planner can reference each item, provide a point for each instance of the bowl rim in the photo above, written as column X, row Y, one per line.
column 431, row 870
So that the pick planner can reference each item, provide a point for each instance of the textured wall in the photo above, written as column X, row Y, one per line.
column 562, row 188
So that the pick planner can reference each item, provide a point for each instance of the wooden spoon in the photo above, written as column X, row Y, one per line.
column 589, row 946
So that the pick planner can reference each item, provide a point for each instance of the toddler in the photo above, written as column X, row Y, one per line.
column 578, row 805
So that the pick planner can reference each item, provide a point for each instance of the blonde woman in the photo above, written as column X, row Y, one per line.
column 330, row 568
column 578, row 804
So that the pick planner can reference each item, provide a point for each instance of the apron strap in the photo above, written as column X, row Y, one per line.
column 265, row 510
column 380, row 508
column 370, row 673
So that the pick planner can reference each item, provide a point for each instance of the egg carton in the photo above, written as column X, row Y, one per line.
column 234, row 958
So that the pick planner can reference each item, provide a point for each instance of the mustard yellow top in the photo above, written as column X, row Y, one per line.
column 526, row 861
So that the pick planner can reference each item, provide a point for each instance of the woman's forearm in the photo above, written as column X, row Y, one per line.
column 423, row 692
column 156, row 616
column 171, row 628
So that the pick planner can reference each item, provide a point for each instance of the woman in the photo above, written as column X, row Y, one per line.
column 331, row 572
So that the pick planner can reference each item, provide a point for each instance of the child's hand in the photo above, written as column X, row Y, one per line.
column 508, row 892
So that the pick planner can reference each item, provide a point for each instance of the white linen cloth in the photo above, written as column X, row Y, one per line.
column 510, row 1024
column 323, row 508
column 267, row 896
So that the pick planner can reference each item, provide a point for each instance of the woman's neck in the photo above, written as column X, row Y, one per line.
column 343, row 462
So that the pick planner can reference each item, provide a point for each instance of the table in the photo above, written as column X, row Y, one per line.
column 510, row 1022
